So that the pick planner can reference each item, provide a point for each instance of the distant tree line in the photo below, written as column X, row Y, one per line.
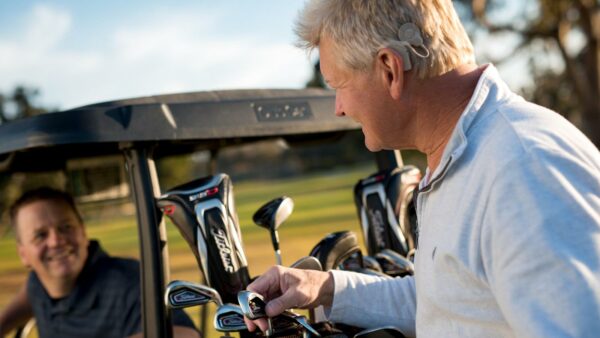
column 19, row 104
column 564, row 30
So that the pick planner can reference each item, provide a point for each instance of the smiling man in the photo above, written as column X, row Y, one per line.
column 509, row 208
column 52, row 242
column 75, row 289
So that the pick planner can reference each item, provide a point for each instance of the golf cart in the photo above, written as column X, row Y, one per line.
column 144, row 129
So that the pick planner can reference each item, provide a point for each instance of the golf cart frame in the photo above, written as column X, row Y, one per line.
column 144, row 129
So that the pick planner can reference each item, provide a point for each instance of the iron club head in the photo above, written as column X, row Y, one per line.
column 252, row 304
column 300, row 320
column 229, row 318
column 394, row 264
column 180, row 294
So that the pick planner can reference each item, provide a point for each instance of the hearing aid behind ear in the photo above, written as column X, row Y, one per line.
column 409, row 37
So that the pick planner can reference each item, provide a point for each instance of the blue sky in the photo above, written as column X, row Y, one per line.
column 81, row 52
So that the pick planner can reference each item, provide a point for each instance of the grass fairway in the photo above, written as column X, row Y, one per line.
column 323, row 204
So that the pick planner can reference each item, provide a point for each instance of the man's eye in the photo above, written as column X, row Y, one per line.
column 66, row 228
column 38, row 236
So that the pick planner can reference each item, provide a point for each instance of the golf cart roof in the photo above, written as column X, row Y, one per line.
column 142, row 129
column 175, row 123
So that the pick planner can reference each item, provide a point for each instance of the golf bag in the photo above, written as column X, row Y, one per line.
column 386, row 210
column 336, row 249
column 204, row 212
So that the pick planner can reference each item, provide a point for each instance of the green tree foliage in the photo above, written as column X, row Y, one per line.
column 566, row 30
column 18, row 104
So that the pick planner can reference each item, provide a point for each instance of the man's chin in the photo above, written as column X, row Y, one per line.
column 63, row 269
column 64, row 276
column 372, row 147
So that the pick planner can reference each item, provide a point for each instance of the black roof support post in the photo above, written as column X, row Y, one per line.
column 152, row 236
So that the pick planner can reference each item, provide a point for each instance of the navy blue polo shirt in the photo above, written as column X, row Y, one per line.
column 104, row 303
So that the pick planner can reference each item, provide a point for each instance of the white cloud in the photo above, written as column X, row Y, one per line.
column 32, row 56
column 164, row 53
column 46, row 27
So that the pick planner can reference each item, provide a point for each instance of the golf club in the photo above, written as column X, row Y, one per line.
column 372, row 263
column 271, row 215
column 253, row 306
column 203, row 210
column 335, row 248
column 181, row 294
column 307, row 263
column 394, row 264
column 300, row 320
column 229, row 318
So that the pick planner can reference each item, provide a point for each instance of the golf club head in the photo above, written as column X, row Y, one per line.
column 386, row 209
column 307, row 263
column 229, row 318
column 273, row 213
column 411, row 255
column 300, row 320
column 204, row 213
column 182, row 294
column 393, row 264
column 282, row 326
column 382, row 332
column 270, row 216
column 252, row 304
column 334, row 248
column 371, row 263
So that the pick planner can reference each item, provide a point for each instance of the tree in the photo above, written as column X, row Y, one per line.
column 566, row 29
column 16, row 105
column 21, row 100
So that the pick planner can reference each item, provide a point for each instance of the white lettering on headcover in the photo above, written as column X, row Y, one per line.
column 224, row 249
column 378, row 226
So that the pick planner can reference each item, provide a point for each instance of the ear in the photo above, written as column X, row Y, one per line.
column 391, row 69
column 23, row 256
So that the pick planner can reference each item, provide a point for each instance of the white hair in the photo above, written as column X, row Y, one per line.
column 360, row 28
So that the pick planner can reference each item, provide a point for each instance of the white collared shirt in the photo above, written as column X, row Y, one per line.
column 509, row 232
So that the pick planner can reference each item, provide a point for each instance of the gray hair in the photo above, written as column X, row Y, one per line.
column 360, row 28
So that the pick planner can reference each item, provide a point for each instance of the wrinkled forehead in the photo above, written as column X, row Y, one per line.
column 331, row 66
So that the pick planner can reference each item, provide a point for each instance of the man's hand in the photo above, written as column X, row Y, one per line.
column 16, row 313
column 286, row 288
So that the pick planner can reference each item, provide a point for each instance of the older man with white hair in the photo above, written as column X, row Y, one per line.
column 509, row 208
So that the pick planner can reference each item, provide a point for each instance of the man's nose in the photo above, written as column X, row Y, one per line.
column 55, row 238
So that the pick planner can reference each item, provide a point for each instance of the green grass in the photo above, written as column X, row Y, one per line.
column 323, row 204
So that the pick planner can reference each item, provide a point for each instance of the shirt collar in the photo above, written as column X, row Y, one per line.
column 489, row 92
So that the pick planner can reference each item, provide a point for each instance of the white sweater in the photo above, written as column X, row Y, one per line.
column 509, row 232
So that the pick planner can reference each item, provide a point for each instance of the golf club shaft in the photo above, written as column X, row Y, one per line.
column 275, row 242
column 278, row 257
column 270, row 329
